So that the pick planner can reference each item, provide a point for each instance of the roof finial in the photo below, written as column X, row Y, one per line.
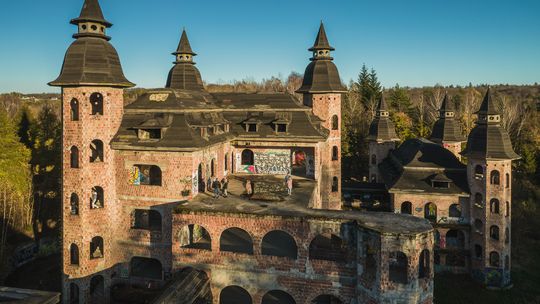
column 488, row 105
column 184, row 47
column 321, row 42
column 91, row 11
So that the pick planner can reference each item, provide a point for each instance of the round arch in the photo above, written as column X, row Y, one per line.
column 236, row 240
column 277, row 297
column 234, row 295
column 279, row 243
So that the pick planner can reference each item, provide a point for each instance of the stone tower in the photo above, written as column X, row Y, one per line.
column 446, row 131
column 489, row 156
column 382, row 139
column 321, row 91
column 92, row 83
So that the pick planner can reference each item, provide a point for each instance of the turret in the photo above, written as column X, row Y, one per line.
column 184, row 75
column 382, row 139
column 446, row 131
column 489, row 155
column 322, row 89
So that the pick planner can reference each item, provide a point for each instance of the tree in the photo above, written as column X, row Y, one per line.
column 399, row 99
column 25, row 125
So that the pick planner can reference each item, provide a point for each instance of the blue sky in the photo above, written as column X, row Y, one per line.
column 413, row 43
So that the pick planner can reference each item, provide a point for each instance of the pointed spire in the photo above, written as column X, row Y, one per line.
column 382, row 104
column 447, row 104
column 321, row 42
column 488, row 105
column 184, row 47
column 91, row 11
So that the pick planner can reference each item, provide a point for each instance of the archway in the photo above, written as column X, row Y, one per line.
column 146, row 268
column 398, row 267
column 430, row 212
column 277, row 297
column 248, row 157
column 97, row 289
column 234, row 295
column 236, row 240
column 195, row 236
column 279, row 243
column 326, row 299
column 406, row 208
column 329, row 247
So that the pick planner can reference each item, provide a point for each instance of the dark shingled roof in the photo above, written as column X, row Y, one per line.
column 184, row 75
column 382, row 128
column 184, row 47
column 91, row 11
column 321, row 75
column 91, row 61
column 488, row 139
column 446, row 128
column 416, row 163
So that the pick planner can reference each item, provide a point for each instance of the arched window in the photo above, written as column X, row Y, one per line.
column 494, row 232
column 97, row 198
column 478, row 200
column 234, row 295
column 279, row 243
column 430, row 212
column 326, row 299
column 507, row 209
column 478, row 172
column 397, row 267
column 195, row 236
column 147, row 175
column 329, row 247
column 146, row 219
column 454, row 211
column 494, row 259
column 74, row 157
column 73, row 293
column 494, row 206
column 74, row 204
column 406, row 208
column 97, row 289
column 506, row 262
column 96, row 248
column 478, row 251
column 146, row 268
column 507, row 180
column 74, row 109
column 335, row 122
column 74, row 254
column 423, row 266
column 226, row 161
column 506, row 235
column 478, row 226
column 247, row 157
column 335, row 184
column 96, row 149
column 96, row 101
column 495, row 177
column 335, row 153
column 373, row 159
column 236, row 240
column 277, row 297
column 455, row 239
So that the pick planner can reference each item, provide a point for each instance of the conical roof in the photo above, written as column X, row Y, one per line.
column 321, row 42
column 382, row 128
column 381, row 106
column 184, row 47
column 447, row 104
column 91, row 11
column 488, row 105
column 446, row 128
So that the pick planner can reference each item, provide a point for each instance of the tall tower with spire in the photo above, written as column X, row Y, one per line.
column 446, row 131
column 92, row 83
column 322, row 89
column 382, row 139
column 489, row 156
column 184, row 75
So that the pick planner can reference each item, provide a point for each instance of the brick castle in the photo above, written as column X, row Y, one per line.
column 138, row 183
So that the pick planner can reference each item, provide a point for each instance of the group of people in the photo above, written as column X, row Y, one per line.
column 219, row 187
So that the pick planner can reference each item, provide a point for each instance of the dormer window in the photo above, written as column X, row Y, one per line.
column 281, row 127
column 148, row 134
column 441, row 184
column 251, row 127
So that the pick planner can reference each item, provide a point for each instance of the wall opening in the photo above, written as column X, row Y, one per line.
column 370, row 265
column 277, row 297
column 234, row 295
column 478, row 172
column 248, row 158
column 74, row 157
column 494, row 259
column 74, row 109
column 506, row 235
column 96, row 101
column 455, row 239
column 74, row 204
column 495, row 177
column 97, row 198
column 423, row 264
column 236, row 240
column 335, row 153
column 279, row 243
column 329, row 247
column 146, row 219
column 149, row 175
column 406, row 208
column 335, row 122
column 454, row 210
column 73, row 293
column 96, row 151
column 373, row 159
column 478, row 252
column 195, row 236
column 430, row 212
column 335, row 184
column 146, row 268
column 507, row 180
column 494, row 232
column 96, row 248
column 74, row 254
column 326, row 299
column 478, row 226
column 478, row 200
column 397, row 267
column 494, row 206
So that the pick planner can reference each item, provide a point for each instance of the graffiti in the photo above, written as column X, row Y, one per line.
column 493, row 277
column 310, row 166
column 247, row 169
column 195, row 182
column 135, row 176
column 272, row 162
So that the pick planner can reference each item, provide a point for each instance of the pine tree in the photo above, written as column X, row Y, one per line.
column 399, row 99
column 25, row 125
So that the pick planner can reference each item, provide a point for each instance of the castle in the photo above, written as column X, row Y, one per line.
column 138, row 207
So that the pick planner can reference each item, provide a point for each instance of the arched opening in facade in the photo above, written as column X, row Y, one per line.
column 326, row 299
column 507, row 209
column 200, row 178
column 478, row 200
column 248, row 158
column 478, row 226
column 507, row 180
column 494, row 259
column 234, row 295
column 454, row 210
column 74, row 157
column 495, row 177
column 370, row 265
column 96, row 151
column 335, row 153
column 279, row 243
column 236, row 240
column 96, row 101
column 96, row 248
column 478, row 252
column 147, row 175
column 213, row 167
column 373, row 159
column 329, row 247
column 430, row 212
column 506, row 235
column 335, row 184
column 478, row 172
column 97, row 289
column 73, row 293
column 397, row 267
column 335, row 122
column 277, row 297
column 74, row 204
column 406, row 208
column 97, row 198
column 455, row 239
column 494, row 206
column 74, row 109
column 146, row 219
column 146, row 268
column 226, row 161
column 299, row 163
column 506, row 262
column 195, row 236
column 423, row 264
column 494, row 232
column 74, row 254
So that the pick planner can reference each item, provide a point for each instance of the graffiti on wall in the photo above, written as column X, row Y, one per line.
column 493, row 277
column 195, row 182
column 272, row 162
column 310, row 166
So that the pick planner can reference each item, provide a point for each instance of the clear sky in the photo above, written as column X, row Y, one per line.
column 410, row 42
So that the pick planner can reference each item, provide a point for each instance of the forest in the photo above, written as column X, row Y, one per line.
column 30, row 163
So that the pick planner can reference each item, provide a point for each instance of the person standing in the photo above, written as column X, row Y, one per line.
column 289, row 183
column 225, row 186
column 216, row 186
column 249, row 189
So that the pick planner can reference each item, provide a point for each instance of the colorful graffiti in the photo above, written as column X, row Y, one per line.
column 247, row 169
column 272, row 162
column 195, row 182
column 135, row 176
